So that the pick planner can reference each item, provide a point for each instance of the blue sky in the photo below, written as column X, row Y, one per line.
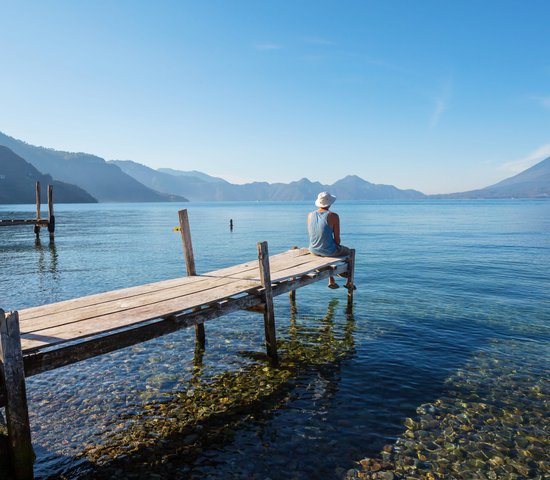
column 440, row 96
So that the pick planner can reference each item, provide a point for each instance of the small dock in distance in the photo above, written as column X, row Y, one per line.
column 37, row 222
column 43, row 338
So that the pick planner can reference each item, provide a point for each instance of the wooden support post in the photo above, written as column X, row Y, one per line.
column 351, row 277
column 13, row 379
column 51, row 217
column 37, row 227
column 292, row 293
column 200, row 336
column 292, row 296
column 269, row 313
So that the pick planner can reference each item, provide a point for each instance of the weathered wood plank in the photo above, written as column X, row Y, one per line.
column 185, row 293
column 247, row 270
column 13, row 379
column 15, row 222
column 105, row 323
column 313, row 264
column 39, row 361
column 146, row 302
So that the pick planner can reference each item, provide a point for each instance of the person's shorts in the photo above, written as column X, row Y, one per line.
column 341, row 251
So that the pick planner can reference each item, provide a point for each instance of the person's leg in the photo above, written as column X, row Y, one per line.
column 342, row 252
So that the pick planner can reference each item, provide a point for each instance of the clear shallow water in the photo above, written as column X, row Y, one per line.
column 442, row 288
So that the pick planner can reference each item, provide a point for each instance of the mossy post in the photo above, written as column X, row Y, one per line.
column 269, row 312
column 200, row 336
column 351, row 278
column 13, row 380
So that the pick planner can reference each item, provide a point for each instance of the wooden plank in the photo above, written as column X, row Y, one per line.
column 313, row 264
column 16, row 222
column 98, row 298
column 17, row 415
column 39, row 361
column 105, row 323
column 185, row 293
column 269, row 312
column 246, row 271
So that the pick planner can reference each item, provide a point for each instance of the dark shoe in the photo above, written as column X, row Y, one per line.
column 350, row 287
column 334, row 286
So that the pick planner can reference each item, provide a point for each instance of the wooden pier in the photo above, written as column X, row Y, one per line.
column 43, row 338
column 37, row 222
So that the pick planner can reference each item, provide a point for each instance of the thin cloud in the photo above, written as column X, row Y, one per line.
column 442, row 101
column 267, row 46
column 544, row 101
column 517, row 166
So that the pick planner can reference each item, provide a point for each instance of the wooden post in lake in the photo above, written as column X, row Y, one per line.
column 351, row 277
column 269, row 312
column 200, row 336
column 292, row 293
column 17, row 415
column 36, row 226
column 51, row 217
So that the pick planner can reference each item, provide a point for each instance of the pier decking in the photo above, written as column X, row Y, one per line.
column 43, row 338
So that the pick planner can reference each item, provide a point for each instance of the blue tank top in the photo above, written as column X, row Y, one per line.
column 321, row 238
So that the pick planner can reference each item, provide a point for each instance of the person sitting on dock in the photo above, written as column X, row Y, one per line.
column 324, row 233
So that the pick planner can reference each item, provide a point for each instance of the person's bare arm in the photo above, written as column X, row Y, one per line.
column 334, row 222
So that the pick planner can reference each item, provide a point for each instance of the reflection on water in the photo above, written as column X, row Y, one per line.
column 47, row 258
column 167, row 437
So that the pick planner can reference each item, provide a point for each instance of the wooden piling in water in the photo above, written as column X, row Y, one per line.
column 51, row 217
column 17, row 415
column 37, row 226
column 351, row 278
column 200, row 335
column 269, row 312
column 37, row 222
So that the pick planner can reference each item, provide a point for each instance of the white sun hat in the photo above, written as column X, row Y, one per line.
column 324, row 200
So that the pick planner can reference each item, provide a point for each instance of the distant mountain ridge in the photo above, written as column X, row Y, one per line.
column 128, row 181
column 18, row 179
column 198, row 186
column 531, row 183
column 105, row 182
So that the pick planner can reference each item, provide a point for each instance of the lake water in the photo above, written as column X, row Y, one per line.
column 441, row 370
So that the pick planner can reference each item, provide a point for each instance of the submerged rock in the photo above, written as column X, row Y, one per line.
column 477, row 430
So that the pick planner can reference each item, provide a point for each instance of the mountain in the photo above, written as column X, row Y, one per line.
column 531, row 183
column 192, row 173
column 353, row 187
column 18, row 179
column 106, row 182
column 201, row 187
column 195, row 187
